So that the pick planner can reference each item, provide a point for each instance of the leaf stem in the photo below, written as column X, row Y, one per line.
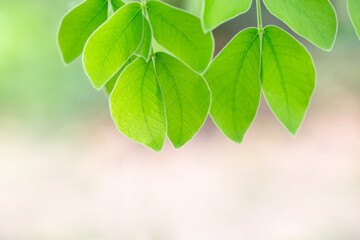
column 143, row 2
column 258, row 6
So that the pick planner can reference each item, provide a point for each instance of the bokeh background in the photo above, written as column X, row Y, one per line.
column 67, row 173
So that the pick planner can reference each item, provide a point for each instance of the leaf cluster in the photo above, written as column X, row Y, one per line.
column 155, row 62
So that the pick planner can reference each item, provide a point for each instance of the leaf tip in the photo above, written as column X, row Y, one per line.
column 66, row 61
column 156, row 148
column 206, row 27
column 177, row 146
column 328, row 48
column 238, row 140
column 293, row 131
column 64, row 57
column 97, row 86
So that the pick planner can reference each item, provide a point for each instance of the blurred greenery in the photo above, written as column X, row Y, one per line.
column 35, row 86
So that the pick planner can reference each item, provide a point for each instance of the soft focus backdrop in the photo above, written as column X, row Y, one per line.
column 66, row 172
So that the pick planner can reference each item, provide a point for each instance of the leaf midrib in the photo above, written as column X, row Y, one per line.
column 281, row 76
column 307, row 16
column 142, row 106
column 174, row 26
column 311, row 20
column 84, row 28
column 178, row 93
column 113, row 43
column 237, row 80
column 115, row 4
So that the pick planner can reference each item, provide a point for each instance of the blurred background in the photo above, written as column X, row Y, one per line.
column 67, row 173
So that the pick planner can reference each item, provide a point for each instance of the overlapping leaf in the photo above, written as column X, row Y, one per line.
column 137, row 105
column 77, row 26
column 314, row 20
column 354, row 11
column 181, row 34
column 234, row 80
column 145, row 47
column 116, row 4
column 287, row 77
column 186, row 96
column 194, row 7
column 113, row 44
column 109, row 86
column 217, row 12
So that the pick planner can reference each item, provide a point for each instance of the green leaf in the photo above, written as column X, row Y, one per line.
column 186, row 96
column 158, row 48
column 194, row 7
column 217, row 12
column 116, row 4
column 137, row 106
column 109, row 86
column 234, row 80
column 113, row 44
column 287, row 77
column 314, row 20
column 181, row 34
column 129, row 1
column 77, row 26
column 354, row 11
column 145, row 47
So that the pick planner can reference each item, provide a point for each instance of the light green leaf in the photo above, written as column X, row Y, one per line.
column 194, row 7
column 145, row 47
column 109, row 86
column 158, row 48
column 181, row 34
column 217, row 12
column 77, row 26
column 234, row 80
column 116, row 4
column 354, row 11
column 129, row 1
column 113, row 44
column 287, row 77
column 137, row 106
column 314, row 20
column 186, row 96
